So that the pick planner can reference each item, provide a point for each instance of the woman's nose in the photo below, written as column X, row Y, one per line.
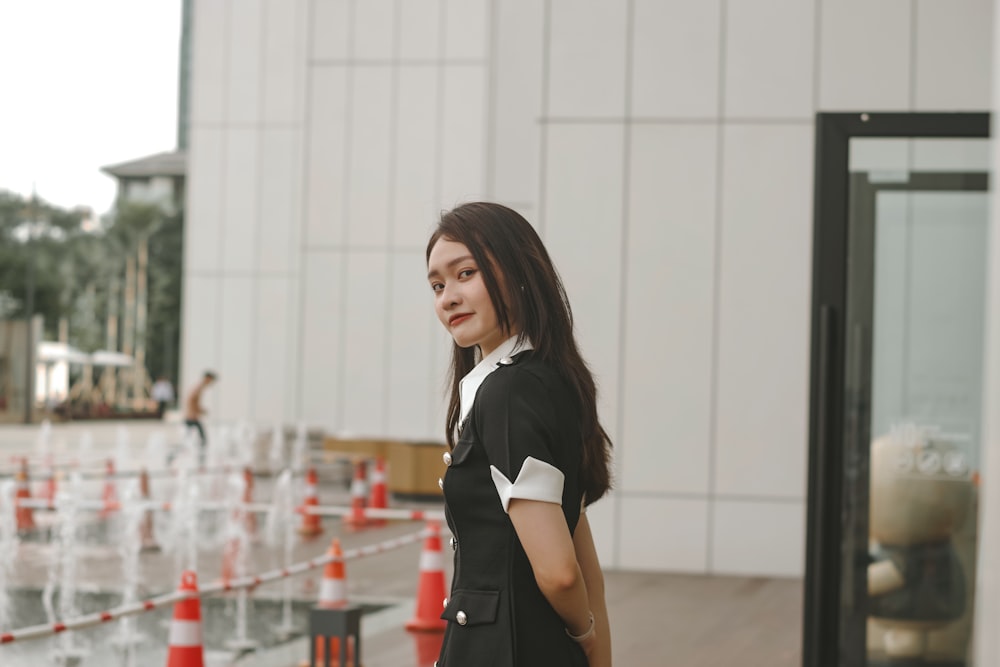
column 450, row 295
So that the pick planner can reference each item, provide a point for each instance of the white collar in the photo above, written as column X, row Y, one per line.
column 469, row 385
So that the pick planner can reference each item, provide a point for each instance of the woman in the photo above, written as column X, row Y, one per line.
column 527, row 452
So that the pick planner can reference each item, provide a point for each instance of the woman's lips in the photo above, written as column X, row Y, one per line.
column 458, row 319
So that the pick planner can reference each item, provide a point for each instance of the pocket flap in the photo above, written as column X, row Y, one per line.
column 476, row 607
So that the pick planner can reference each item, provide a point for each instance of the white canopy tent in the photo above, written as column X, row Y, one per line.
column 52, row 352
column 109, row 358
column 52, row 379
column 53, row 360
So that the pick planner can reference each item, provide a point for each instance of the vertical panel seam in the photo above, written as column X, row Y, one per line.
column 255, row 274
column 434, row 396
column 913, row 55
column 623, row 268
column 394, row 77
column 817, row 52
column 492, row 26
column 345, row 221
column 304, row 203
column 716, row 295
column 543, row 158
column 224, row 188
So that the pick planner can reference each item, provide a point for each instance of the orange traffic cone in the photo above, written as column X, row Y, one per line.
column 51, row 486
column 379, row 495
column 310, row 525
column 332, row 595
column 428, row 647
column 230, row 552
column 359, row 490
column 185, row 649
column 250, row 517
column 110, row 495
column 25, row 517
column 333, row 590
column 431, row 589
column 146, row 527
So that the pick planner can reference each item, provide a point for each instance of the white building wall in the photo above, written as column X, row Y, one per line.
column 664, row 149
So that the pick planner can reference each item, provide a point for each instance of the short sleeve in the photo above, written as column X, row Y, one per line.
column 518, row 426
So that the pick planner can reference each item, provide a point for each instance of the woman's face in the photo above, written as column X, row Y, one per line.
column 460, row 298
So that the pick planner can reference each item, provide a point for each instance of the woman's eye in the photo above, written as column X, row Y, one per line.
column 465, row 273
column 436, row 287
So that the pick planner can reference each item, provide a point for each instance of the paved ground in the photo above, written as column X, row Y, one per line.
column 658, row 619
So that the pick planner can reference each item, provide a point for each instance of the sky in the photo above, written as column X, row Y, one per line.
column 84, row 84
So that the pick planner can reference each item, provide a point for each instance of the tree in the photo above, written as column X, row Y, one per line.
column 36, row 237
column 166, row 253
column 134, row 223
column 127, row 269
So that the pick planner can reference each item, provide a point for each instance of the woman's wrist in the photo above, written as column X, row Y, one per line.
column 586, row 634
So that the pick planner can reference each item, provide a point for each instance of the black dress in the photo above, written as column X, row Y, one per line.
column 524, row 419
column 933, row 584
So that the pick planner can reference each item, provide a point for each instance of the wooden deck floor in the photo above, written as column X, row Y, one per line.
column 662, row 620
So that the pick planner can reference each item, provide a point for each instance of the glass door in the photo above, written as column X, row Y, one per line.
column 898, row 322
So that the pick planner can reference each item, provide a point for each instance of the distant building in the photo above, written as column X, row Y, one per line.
column 160, row 178
column 155, row 178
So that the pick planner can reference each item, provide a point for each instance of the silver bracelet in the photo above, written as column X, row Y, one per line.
column 586, row 635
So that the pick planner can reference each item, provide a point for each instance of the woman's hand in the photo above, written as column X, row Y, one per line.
column 589, row 646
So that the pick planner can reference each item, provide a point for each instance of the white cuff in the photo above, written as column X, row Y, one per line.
column 537, row 480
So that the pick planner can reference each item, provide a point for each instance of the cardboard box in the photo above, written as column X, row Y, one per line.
column 356, row 447
column 414, row 468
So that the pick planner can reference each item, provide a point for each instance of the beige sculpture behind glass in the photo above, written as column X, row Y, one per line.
column 923, row 535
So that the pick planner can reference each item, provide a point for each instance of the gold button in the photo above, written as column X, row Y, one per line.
column 445, row 603
column 447, row 458
column 440, row 483
column 461, row 618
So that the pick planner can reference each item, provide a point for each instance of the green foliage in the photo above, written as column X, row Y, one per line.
column 36, row 240
column 75, row 271
column 166, row 253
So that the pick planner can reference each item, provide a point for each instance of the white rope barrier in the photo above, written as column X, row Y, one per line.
column 220, row 586
column 47, row 474
column 259, row 508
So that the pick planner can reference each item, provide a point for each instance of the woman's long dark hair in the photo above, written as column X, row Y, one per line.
column 530, row 299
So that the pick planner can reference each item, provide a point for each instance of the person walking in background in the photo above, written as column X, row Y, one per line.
column 527, row 452
column 193, row 409
column 163, row 393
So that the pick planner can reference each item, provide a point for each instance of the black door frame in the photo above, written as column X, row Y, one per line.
column 826, row 479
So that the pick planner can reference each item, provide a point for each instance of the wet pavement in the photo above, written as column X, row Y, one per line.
column 657, row 619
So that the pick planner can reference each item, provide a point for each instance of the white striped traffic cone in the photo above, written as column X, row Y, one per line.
column 333, row 590
column 431, row 589
column 310, row 525
column 110, row 494
column 379, row 498
column 25, row 516
column 49, row 486
column 185, row 649
column 249, row 517
column 359, row 500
